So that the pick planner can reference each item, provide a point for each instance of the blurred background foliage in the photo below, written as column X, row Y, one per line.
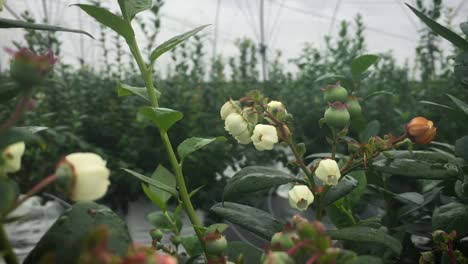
column 81, row 108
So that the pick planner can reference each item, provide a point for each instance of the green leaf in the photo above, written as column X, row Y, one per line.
column 367, row 234
column 158, row 196
column 250, row 218
column 449, row 217
column 9, row 191
column 15, row 135
column 360, row 64
column 110, row 20
column 256, row 178
column 436, row 104
column 193, row 144
column 130, row 8
column 461, row 147
column 192, row 245
column 344, row 186
column 172, row 43
column 377, row 93
column 155, row 183
column 372, row 129
column 419, row 165
column 9, row 23
column 355, row 195
column 163, row 118
column 250, row 253
column 441, row 30
column 340, row 214
column 161, row 220
column 459, row 103
column 127, row 90
column 464, row 27
column 333, row 78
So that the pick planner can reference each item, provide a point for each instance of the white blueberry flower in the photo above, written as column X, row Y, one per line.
column 85, row 175
column 264, row 137
column 300, row 197
column 244, row 137
column 227, row 109
column 11, row 157
column 328, row 172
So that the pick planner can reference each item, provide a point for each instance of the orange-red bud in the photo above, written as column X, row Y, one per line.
column 421, row 130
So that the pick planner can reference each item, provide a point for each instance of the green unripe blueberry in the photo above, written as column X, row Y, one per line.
column 156, row 234
column 354, row 108
column 337, row 117
column 335, row 93
column 216, row 246
column 283, row 239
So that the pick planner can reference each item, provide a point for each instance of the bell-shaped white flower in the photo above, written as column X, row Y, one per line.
column 328, row 172
column 264, row 137
column 11, row 157
column 235, row 124
column 300, row 197
column 87, row 174
column 227, row 109
column 244, row 137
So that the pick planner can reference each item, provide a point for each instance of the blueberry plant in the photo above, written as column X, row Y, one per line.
column 359, row 214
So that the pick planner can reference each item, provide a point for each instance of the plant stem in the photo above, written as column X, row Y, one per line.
column 146, row 73
column 300, row 161
column 17, row 113
column 6, row 248
column 183, row 192
column 41, row 185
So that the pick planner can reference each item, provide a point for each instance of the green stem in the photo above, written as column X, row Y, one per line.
column 5, row 247
column 177, row 168
column 145, row 72
column 300, row 161
column 183, row 192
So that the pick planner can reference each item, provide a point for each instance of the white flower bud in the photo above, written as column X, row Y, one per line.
column 328, row 172
column 235, row 124
column 227, row 109
column 300, row 197
column 277, row 109
column 11, row 157
column 264, row 137
column 88, row 175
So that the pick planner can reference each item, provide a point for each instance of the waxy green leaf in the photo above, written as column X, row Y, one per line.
column 9, row 23
column 110, row 20
column 344, row 186
column 441, row 30
column 130, row 8
column 250, row 218
column 158, row 196
column 256, row 178
column 172, row 43
column 193, row 144
column 360, row 64
column 153, row 182
column 163, row 118
column 127, row 90
column 367, row 234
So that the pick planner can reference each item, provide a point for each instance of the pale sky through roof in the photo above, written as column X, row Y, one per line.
column 289, row 24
